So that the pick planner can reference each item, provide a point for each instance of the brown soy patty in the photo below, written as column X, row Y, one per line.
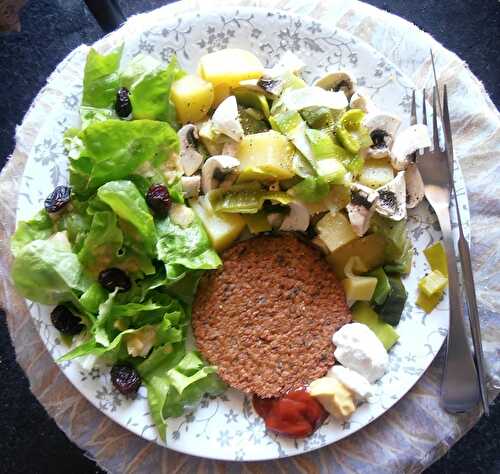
column 267, row 316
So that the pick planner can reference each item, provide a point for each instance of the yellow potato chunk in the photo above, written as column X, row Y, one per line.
column 222, row 228
column 334, row 230
column 370, row 249
column 230, row 66
column 265, row 156
column 376, row 173
column 192, row 97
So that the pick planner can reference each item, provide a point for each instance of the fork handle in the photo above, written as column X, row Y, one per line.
column 459, row 388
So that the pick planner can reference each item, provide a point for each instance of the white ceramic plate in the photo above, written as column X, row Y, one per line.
column 226, row 427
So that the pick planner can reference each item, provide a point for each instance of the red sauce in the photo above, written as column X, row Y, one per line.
column 296, row 414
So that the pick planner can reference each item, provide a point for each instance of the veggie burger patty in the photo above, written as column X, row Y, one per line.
column 267, row 316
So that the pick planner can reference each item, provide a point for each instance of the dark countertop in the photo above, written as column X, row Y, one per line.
column 30, row 442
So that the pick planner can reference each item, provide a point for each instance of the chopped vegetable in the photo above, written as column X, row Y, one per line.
column 383, row 287
column 193, row 97
column 428, row 303
column 257, row 222
column 376, row 173
column 252, row 99
column 436, row 256
column 334, row 230
column 433, row 283
column 363, row 313
column 392, row 308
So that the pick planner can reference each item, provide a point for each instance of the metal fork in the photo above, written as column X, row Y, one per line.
column 459, row 387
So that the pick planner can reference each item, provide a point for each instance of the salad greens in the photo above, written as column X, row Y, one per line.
column 108, row 224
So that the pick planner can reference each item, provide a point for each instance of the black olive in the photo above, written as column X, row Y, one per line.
column 65, row 321
column 123, row 106
column 158, row 199
column 114, row 277
column 57, row 199
column 125, row 378
column 378, row 138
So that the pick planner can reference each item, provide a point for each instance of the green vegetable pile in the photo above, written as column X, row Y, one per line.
column 108, row 224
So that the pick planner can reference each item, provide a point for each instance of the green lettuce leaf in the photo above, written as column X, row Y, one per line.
column 129, row 204
column 176, row 381
column 114, row 149
column 184, row 248
column 90, row 115
column 102, row 243
column 100, row 78
column 149, row 85
column 39, row 227
column 93, row 297
column 47, row 271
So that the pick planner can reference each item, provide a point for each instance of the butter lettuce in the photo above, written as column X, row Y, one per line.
column 47, row 271
column 176, row 382
column 100, row 78
column 114, row 149
column 149, row 84
column 39, row 227
column 129, row 204
column 184, row 248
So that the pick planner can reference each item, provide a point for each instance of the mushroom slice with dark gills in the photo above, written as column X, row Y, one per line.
column 361, row 207
column 408, row 142
column 220, row 170
column 271, row 87
column 382, row 129
column 391, row 201
column 191, row 159
column 338, row 81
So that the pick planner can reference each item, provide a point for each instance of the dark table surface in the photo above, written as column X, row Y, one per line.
column 30, row 441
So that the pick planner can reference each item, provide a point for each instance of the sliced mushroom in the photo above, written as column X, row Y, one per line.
column 297, row 219
column 408, row 142
column 361, row 207
column 275, row 219
column 226, row 120
column 392, row 198
column 220, row 170
column 338, row 81
column 230, row 148
column 269, row 86
column 414, row 186
column 383, row 129
column 190, row 158
column 191, row 186
column 298, row 99
column 361, row 100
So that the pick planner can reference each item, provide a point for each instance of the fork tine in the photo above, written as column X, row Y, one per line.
column 413, row 112
column 435, row 131
column 447, row 124
column 424, row 108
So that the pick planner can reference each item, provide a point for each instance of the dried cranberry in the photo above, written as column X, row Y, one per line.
column 125, row 379
column 158, row 199
column 65, row 321
column 123, row 106
column 378, row 138
column 57, row 199
column 114, row 277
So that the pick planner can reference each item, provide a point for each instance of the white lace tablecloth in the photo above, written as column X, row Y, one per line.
column 416, row 431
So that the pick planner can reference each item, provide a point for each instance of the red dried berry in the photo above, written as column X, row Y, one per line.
column 123, row 106
column 57, row 199
column 115, row 277
column 158, row 199
column 65, row 321
column 125, row 379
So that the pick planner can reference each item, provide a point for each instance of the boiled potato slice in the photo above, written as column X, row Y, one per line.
column 264, row 156
column 335, row 230
column 230, row 66
column 222, row 228
column 192, row 97
column 370, row 249
column 376, row 173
